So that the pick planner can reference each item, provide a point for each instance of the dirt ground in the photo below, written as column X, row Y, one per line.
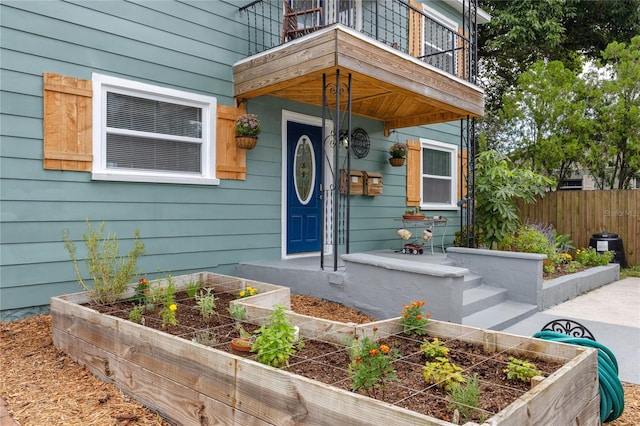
column 42, row 386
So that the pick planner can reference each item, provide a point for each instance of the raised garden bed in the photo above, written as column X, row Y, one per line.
column 191, row 383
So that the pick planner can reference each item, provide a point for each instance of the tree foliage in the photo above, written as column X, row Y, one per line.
column 525, row 31
column 499, row 184
column 614, row 146
column 545, row 120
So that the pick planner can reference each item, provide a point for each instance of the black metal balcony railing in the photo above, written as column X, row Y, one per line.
column 394, row 22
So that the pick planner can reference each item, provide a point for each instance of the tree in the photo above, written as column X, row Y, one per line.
column 498, row 186
column 525, row 31
column 614, row 149
column 545, row 120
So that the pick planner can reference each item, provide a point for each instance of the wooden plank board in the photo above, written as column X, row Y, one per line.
column 191, row 383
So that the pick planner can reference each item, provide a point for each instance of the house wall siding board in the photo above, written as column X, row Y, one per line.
column 189, row 46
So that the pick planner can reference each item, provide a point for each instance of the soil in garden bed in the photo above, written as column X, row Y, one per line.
column 328, row 362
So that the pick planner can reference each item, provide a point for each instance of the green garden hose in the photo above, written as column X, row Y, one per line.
column 611, row 392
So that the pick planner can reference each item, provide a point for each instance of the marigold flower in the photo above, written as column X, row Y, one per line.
column 407, row 307
column 419, row 317
column 143, row 281
column 428, row 315
column 414, row 304
column 173, row 307
column 161, row 289
column 385, row 349
column 375, row 329
column 421, row 303
column 359, row 359
column 406, row 315
column 373, row 352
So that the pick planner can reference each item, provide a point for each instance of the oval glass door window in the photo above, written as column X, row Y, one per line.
column 304, row 170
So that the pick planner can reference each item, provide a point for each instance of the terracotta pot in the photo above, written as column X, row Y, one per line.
column 413, row 216
column 246, row 142
column 240, row 344
column 396, row 162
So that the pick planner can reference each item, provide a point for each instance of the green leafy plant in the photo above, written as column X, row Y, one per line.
column 466, row 398
column 168, row 315
column 237, row 312
column 631, row 271
column 434, row 349
column 371, row 363
column 193, row 287
column 166, row 296
column 518, row 369
column 206, row 304
column 442, row 373
column 590, row 257
column 247, row 292
column 111, row 274
column 141, row 293
column 499, row 184
column 276, row 339
column 136, row 314
column 526, row 239
column 413, row 319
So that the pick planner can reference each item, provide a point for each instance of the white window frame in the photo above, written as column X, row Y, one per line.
column 103, row 84
column 453, row 153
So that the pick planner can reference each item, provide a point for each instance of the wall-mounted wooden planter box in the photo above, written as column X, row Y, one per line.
column 193, row 384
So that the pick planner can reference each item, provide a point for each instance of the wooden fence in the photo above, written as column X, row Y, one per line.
column 584, row 213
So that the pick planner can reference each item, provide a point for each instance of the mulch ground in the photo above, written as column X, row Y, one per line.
column 42, row 386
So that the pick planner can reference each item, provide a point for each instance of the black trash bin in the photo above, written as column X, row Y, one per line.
column 605, row 241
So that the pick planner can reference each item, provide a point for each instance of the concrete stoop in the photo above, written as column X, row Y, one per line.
column 500, row 316
column 482, row 297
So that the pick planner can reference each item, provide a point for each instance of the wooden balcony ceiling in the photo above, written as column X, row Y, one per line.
column 387, row 85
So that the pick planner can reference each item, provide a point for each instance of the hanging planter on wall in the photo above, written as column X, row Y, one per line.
column 398, row 153
column 247, row 130
column 246, row 142
column 396, row 161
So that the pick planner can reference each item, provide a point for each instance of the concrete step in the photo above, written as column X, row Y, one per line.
column 472, row 280
column 500, row 316
column 482, row 297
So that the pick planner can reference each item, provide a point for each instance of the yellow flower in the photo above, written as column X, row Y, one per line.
column 242, row 293
column 173, row 307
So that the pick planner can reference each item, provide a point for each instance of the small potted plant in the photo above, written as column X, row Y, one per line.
column 398, row 152
column 247, row 130
column 413, row 214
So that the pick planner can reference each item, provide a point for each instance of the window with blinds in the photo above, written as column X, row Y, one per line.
column 438, row 175
column 150, row 133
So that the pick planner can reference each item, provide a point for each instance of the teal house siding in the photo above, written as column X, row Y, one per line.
column 185, row 45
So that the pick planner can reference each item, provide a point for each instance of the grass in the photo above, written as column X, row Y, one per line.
column 632, row 271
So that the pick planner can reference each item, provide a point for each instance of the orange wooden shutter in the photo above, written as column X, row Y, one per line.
column 415, row 30
column 67, row 123
column 231, row 160
column 414, row 173
column 462, row 174
column 463, row 55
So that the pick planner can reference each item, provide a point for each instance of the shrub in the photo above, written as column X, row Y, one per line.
column 370, row 367
column 590, row 257
column 434, row 349
column 526, row 239
column 466, row 398
column 111, row 274
column 413, row 319
column 276, row 340
column 206, row 304
column 521, row 370
column 442, row 373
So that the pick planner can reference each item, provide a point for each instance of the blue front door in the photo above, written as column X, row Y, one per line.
column 304, row 206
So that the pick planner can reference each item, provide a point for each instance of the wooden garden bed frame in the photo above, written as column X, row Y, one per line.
column 189, row 383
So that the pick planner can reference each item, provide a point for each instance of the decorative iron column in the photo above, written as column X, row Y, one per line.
column 336, row 217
